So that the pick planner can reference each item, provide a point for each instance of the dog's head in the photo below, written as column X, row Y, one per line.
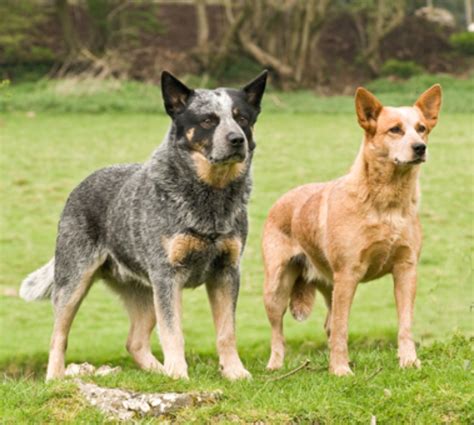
column 213, row 128
column 399, row 135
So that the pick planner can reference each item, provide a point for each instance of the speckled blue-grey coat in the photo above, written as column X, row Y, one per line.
column 149, row 230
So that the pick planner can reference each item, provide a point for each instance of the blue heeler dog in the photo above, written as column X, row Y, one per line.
column 149, row 230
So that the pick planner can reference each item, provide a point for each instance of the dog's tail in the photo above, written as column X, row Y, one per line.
column 39, row 284
column 302, row 299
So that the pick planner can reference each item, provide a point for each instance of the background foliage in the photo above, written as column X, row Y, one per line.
column 328, row 45
column 79, row 91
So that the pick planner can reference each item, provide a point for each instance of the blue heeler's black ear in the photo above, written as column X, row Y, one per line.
column 254, row 90
column 175, row 94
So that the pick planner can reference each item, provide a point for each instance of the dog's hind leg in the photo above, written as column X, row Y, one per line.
column 326, row 291
column 279, row 282
column 72, row 282
column 139, row 304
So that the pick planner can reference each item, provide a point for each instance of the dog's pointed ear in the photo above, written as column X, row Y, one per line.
column 175, row 94
column 254, row 90
column 429, row 103
column 368, row 108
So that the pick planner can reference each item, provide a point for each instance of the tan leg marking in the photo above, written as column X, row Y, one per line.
column 405, row 292
column 64, row 316
column 216, row 175
column 221, row 300
column 180, row 246
column 232, row 247
column 171, row 338
column 142, row 322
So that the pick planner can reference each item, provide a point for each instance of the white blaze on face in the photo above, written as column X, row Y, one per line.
column 401, row 148
column 219, row 103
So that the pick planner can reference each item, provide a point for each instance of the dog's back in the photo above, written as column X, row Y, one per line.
column 84, row 215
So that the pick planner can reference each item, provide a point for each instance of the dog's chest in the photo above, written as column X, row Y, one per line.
column 383, row 235
column 197, row 259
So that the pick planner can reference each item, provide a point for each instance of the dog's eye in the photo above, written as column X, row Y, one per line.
column 207, row 123
column 242, row 121
column 421, row 128
column 396, row 130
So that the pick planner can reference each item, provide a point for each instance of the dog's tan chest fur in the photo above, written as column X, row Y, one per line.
column 181, row 246
column 382, row 247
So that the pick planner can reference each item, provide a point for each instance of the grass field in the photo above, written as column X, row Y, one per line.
column 45, row 156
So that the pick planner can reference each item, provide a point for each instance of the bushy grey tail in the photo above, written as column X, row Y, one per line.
column 39, row 284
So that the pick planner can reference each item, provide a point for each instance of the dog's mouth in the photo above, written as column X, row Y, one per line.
column 415, row 161
column 233, row 158
column 418, row 160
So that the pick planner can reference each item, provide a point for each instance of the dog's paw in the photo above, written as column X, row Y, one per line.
column 176, row 370
column 233, row 373
column 410, row 361
column 154, row 365
column 341, row 370
column 407, row 356
column 275, row 362
column 53, row 377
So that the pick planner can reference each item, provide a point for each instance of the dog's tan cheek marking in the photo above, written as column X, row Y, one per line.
column 190, row 134
column 180, row 246
column 218, row 176
column 232, row 247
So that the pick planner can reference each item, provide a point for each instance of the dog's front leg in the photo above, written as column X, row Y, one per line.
column 343, row 294
column 167, row 299
column 223, row 292
column 404, row 276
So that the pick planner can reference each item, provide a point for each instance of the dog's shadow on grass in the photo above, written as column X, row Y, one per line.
column 33, row 366
column 24, row 367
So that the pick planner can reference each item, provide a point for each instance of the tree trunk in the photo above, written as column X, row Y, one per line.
column 69, row 33
column 202, row 27
column 468, row 12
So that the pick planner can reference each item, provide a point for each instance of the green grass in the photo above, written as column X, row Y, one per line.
column 114, row 96
column 44, row 157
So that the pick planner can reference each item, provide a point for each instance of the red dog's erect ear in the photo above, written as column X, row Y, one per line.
column 368, row 108
column 429, row 103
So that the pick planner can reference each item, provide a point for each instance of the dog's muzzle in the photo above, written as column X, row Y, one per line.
column 232, row 158
column 233, row 150
column 419, row 150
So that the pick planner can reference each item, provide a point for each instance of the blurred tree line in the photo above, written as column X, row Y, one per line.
column 303, row 42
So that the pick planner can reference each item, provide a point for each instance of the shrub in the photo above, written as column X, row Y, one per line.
column 463, row 42
column 401, row 69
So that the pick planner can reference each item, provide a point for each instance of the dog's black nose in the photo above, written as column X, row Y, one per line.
column 235, row 139
column 419, row 148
